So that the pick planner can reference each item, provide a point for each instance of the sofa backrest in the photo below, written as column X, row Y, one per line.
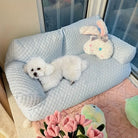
column 46, row 45
column 51, row 45
column 73, row 40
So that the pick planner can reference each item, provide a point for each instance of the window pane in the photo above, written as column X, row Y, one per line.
column 59, row 13
column 122, row 20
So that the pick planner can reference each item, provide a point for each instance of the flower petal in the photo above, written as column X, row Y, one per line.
column 57, row 129
column 75, row 126
column 90, row 132
column 47, row 119
column 51, row 131
column 77, row 118
column 65, row 120
column 82, row 119
column 57, row 114
column 87, row 122
column 68, row 128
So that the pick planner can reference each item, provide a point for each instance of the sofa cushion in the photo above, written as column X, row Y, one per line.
column 100, row 76
column 47, row 45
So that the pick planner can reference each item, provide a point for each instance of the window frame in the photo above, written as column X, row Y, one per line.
column 40, row 15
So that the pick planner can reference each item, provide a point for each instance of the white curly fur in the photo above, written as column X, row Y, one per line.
column 69, row 67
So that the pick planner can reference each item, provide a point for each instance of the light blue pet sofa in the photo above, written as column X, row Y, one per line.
column 100, row 76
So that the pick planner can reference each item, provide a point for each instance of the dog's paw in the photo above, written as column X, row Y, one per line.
column 72, row 82
column 45, row 88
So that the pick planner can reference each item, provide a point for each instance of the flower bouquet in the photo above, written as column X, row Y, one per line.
column 56, row 126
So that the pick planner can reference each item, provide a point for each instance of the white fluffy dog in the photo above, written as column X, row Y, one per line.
column 69, row 67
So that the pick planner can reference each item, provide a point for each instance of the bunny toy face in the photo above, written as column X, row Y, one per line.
column 102, row 50
column 98, row 44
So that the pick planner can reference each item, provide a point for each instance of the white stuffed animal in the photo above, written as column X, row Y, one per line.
column 98, row 44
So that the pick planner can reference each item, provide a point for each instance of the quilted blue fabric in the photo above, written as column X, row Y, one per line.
column 123, row 52
column 99, row 76
column 44, row 45
column 74, row 41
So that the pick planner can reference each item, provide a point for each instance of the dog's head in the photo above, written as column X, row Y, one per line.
column 36, row 67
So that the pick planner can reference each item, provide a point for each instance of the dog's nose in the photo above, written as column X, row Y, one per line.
column 35, row 74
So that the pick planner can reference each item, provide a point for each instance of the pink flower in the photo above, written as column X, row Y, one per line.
column 94, row 133
column 53, row 119
column 80, row 119
column 69, row 124
column 47, row 135
column 52, row 131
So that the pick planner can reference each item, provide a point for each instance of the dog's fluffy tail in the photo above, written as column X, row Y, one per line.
column 84, row 65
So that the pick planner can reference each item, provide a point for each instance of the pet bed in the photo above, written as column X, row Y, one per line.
column 99, row 77
column 112, row 103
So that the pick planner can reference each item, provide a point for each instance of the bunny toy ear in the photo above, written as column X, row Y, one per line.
column 103, row 27
column 93, row 30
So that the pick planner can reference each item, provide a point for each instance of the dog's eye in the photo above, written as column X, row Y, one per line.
column 32, row 69
column 38, row 68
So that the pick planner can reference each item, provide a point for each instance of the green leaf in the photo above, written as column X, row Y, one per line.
column 70, row 134
column 62, row 133
column 75, row 133
column 42, row 132
column 81, row 136
column 81, row 128
column 45, row 125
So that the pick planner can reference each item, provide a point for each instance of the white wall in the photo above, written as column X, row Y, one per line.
column 18, row 18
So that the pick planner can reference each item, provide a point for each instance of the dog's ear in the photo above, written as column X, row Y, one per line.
column 49, row 69
column 25, row 68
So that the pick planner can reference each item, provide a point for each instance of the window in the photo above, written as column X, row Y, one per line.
column 121, row 19
column 59, row 13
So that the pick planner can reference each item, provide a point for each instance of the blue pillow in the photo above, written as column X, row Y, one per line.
column 123, row 52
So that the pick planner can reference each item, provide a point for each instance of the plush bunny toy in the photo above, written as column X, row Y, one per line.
column 98, row 44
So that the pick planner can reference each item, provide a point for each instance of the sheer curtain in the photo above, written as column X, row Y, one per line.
column 59, row 13
column 121, row 18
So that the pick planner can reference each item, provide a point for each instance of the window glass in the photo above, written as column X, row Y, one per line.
column 59, row 13
column 121, row 18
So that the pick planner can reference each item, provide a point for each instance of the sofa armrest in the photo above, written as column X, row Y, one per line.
column 123, row 52
column 27, row 92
